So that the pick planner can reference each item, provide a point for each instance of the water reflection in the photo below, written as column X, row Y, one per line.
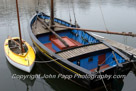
column 88, row 16
column 56, row 83
column 15, row 73
column 114, row 85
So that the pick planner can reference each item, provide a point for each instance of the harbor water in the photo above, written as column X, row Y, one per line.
column 111, row 15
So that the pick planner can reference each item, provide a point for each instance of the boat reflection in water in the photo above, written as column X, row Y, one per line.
column 66, row 85
column 15, row 73
column 57, row 84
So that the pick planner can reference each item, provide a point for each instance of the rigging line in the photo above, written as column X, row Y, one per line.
column 107, row 58
column 37, row 5
column 8, row 19
column 26, row 18
column 134, row 65
column 74, row 14
column 69, row 13
column 102, row 15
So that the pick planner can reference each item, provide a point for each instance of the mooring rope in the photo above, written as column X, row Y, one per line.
column 104, row 84
column 47, row 61
column 40, row 61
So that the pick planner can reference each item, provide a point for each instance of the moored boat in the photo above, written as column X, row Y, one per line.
column 18, row 52
column 75, row 52
column 23, row 61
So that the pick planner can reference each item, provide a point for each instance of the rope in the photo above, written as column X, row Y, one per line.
column 74, row 14
column 104, row 84
column 8, row 18
column 106, row 59
column 69, row 14
column 103, row 16
column 41, row 61
column 36, row 8
column 44, row 61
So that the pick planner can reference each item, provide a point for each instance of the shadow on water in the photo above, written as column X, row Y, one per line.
column 51, row 83
column 56, row 84
column 15, row 73
column 125, row 20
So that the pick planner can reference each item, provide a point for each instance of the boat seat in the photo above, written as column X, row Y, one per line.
column 82, row 50
column 57, row 45
column 16, row 50
column 13, row 47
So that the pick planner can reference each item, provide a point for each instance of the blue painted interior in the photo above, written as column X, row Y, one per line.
column 80, row 36
column 94, row 63
column 44, row 39
column 55, row 48
column 84, row 38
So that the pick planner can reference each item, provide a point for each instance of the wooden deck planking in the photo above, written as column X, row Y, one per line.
column 118, row 45
column 81, row 50
column 38, row 28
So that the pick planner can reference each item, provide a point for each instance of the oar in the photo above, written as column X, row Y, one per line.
column 43, row 23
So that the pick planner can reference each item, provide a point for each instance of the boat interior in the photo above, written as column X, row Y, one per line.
column 84, row 50
column 15, row 46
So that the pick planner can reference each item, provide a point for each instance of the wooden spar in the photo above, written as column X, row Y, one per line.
column 19, row 27
column 100, row 31
column 43, row 23
column 52, row 14
column 120, row 65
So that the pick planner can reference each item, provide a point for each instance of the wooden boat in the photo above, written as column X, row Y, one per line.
column 75, row 52
column 18, row 52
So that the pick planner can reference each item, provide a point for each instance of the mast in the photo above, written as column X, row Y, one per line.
column 52, row 14
column 19, row 26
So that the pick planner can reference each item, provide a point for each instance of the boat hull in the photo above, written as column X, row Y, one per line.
column 65, row 67
column 83, row 82
column 19, row 66
column 23, row 61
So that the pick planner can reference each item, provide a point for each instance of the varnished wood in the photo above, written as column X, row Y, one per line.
column 46, row 26
column 52, row 14
column 19, row 26
column 100, row 31
column 82, row 50
column 37, row 28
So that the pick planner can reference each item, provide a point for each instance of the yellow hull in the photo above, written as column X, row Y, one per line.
column 23, row 61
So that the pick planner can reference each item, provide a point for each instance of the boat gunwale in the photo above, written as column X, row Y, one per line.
column 52, row 54
column 16, row 54
column 33, row 37
column 24, row 54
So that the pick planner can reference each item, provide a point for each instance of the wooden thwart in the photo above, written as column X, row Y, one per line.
column 81, row 50
column 13, row 40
